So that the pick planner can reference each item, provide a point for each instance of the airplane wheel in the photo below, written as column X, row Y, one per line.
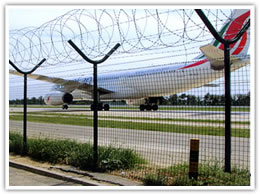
column 148, row 107
column 65, row 107
column 100, row 107
column 155, row 107
column 142, row 107
column 106, row 107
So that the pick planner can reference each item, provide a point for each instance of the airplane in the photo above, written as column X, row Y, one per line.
column 143, row 87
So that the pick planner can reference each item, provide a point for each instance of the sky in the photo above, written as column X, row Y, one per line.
column 24, row 17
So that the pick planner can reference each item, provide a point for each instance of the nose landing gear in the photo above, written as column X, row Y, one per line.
column 65, row 107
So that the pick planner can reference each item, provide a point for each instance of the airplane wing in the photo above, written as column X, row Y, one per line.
column 209, row 85
column 68, row 85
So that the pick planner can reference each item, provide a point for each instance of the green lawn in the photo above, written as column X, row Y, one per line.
column 139, row 118
column 186, row 129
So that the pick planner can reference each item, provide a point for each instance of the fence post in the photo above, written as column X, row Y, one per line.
column 95, row 95
column 227, row 81
column 25, row 115
column 25, row 100
column 227, row 109
column 194, row 158
column 95, row 117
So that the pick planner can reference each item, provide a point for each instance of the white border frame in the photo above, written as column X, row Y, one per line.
column 185, row 188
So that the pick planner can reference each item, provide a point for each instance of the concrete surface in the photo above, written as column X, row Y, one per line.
column 20, row 177
column 24, row 172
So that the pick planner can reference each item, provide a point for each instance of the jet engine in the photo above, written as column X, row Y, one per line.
column 58, row 98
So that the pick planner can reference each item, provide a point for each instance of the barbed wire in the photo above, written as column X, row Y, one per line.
column 97, row 31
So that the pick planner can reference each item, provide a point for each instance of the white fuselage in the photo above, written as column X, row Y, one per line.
column 136, row 85
column 155, row 82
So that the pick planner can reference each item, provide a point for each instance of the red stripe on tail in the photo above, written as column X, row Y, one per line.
column 234, row 28
column 195, row 64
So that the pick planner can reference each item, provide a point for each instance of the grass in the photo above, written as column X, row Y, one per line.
column 116, row 159
column 136, row 118
column 186, row 129
column 208, row 175
column 76, row 154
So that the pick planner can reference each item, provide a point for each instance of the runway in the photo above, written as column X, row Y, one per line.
column 158, row 148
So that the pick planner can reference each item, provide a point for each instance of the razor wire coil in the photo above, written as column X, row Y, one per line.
column 97, row 31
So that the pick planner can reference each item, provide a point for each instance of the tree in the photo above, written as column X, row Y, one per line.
column 207, row 99
column 173, row 99
column 32, row 100
column 191, row 100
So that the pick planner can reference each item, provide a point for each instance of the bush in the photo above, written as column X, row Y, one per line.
column 53, row 151
column 118, row 158
column 209, row 175
column 82, row 156
column 15, row 143
column 75, row 154
column 155, row 180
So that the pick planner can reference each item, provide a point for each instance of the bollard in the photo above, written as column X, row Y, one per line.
column 194, row 158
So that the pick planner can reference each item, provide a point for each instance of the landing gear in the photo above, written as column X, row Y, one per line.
column 65, row 107
column 151, row 103
column 148, row 107
column 100, row 107
column 106, row 107
column 155, row 107
column 142, row 107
